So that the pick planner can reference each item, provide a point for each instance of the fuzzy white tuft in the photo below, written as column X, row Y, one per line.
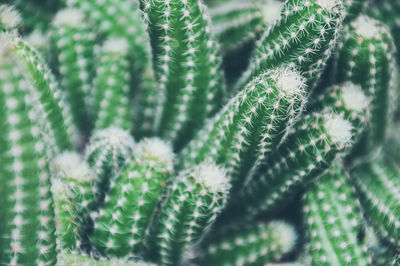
column 289, row 81
column 71, row 17
column 116, row 46
column 211, row 176
column 71, row 165
column 9, row 17
column 271, row 11
column 157, row 150
column 354, row 98
column 37, row 39
column 328, row 4
column 367, row 27
column 114, row 136
column 285, row 235
column 338, row 129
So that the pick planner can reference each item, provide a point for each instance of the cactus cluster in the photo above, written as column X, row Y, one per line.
column 177, row 132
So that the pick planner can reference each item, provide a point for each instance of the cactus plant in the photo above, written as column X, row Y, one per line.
column 27, row 218
column 303, row 37
column 73, row 40
column 377, row 185
column 250, row 245
column 256, row 119
column 129, row 207
column 9, row 18
column 107, row 153
column 74, row 196
column 333, row 221
column 366, row 58
column 236, row 23
column 191, row 206
column 183, row 48
column 67, row 259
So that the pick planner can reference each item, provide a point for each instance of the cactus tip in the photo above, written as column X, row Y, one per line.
column 338, row 129
column 287, row 235
column 366, row 27
column 157, row 150
column 271, row 11
column 71, row 17
column 328, row 4
column 354, row 98
column 290, row 81
column 71, row 165
column 116, row 46
column 9, row 17
column 212, row 176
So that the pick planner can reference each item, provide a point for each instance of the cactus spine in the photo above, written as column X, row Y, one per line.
column 302, row 37
column 240, row 136
column 236, row 23
column 73, row 42
column 107, row 153
column 366, row 58
column 378, row 188
column 186, row 65
column 333, row 221
column 74, row 197
column 113, row 105
column 191, row 206
column 251, row 245
column 129, row 207
column 27, row 219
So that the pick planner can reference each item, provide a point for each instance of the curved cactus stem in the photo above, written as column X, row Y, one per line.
column 27, row 224
column 236, row 23
column 366, row 58
column 191, row 206
column 112, row 96
column 73, row 40
column 333, row 221
column 74, row 196
column 132, row 201
column 250, row 125
column 186, row 64
column 54, row 110
column 303, row 37
column 378, row 188
column 107, row 153
column 250, row 245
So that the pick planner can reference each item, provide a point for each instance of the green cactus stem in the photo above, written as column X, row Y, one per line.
column 112, row 96
column 250, row 245
column 54, row 111
column 236, row 23
column 10, row 19
column 303, row 37
column 191, row 206
column 74, row 197
column 366, row 58
column 333, row 221
column 107, row 153
column 250, row 125
column 66, row 259
column 73, row 41
column 27, row 224
column 186, row 65
column 129, row 207
column 378, row 188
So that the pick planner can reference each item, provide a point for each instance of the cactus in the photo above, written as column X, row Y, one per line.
column 353, row 8
column 26, row 215
column 74, row 199
column 250, row 125
column 250, row 245
column 378, row 186
column 10, row 19
column 54, row 111
column 66, row 259
column 366, row 58
column 113, row 105
column 72, row 41
column 107, row 153
column 191, row 206
column 303, row 37
column 333, row 221
column 186, row 64
column 236, row 23
column 129, row 207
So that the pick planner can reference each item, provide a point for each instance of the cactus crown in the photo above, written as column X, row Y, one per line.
column 156, row 150
column 71, row 165
column 71, row 17
column 367, row 27
column 338, row 129
column 354, row 98
column 211, row 176
column 9, row 17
